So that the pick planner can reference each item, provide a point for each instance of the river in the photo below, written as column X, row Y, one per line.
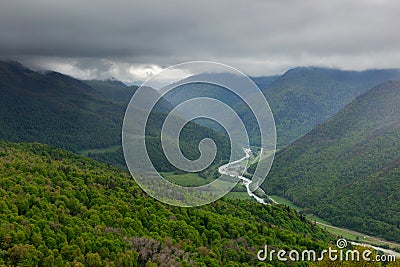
column 235, row 168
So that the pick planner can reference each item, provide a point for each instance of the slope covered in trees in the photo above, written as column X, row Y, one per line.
column 347, row 170
column 305, row 97
column 113, row 89
column 59, row 110
column 55, row 109
column 61, row 209
column 300, row 99
column 122, row 93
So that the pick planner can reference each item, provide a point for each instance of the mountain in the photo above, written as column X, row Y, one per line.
column 59, row 110
column 264, row 81
column 56, row 109
column 347, row 169
column 300, row 99
column 113, row 89
column 122, row 93
column 198, row 86
column 304, row 97
column 61, row 209
column 187, row 91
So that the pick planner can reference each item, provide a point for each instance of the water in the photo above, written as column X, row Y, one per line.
column 235, row 168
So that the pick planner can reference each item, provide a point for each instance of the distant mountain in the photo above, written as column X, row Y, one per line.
column 113, row 89
column 300, row 99
column 264, row 81
column 59, row 110
column 122, row 93
column 305, row 97
column 61, row 209
column 347, row 169
column 190, row 88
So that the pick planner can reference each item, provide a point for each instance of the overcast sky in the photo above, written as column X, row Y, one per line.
column 131, row 39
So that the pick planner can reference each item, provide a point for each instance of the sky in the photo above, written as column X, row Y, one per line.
column 132, row 40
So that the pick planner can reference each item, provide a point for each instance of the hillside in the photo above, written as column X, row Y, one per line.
column 55, row 109
column 61, row 209
column 347, row 169
column 300, row 99
column 113, row 89
column 122, row 94
column 264, row 81
column 194, row 89
column 59, row 110
column 304, row 97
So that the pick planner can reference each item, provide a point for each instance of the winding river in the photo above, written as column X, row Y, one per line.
column 235, row 168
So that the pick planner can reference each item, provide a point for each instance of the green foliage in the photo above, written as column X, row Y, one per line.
column 61, row 209
column 121, row 93
column 188, row 91
column 113, row 89
column 305, row 97
column 186, row 179
column 300, row 99
column 55, row 109
column 361, row 262
column 61, row 111
column 347, row 169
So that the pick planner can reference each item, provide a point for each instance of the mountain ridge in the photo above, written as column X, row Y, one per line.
column 300, row 98
column 62, row 111
column 345, row 169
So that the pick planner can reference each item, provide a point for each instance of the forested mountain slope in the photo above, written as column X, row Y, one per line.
column 61, row 209
column 347, row 170
column 300, row 99
column 59, row 110
column 304, row 97
column 122, row 93
column 55, row 109
column 113, row 89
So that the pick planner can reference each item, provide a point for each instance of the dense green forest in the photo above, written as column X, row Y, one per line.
column 113, row 89
column 186, row 92
column 304, row 97
column 61, row 111
column 121, row 93
column 347, row 169
column 300, row 99
column 55, row 109
column 61, row 209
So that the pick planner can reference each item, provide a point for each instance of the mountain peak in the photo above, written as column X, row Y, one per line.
column 115, row 81
column 14, row 65
column 353, row 154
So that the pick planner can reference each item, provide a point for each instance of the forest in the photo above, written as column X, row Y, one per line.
column 346, row 170
column 62, row 209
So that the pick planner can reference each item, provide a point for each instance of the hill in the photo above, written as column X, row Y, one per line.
column 55, row 109
column 305, row 97
column 264, row 81
column 61, row 209
column 346, row 170
column 59, row 110
column 300, row 99
column 122, row 93
column 190, row 88
column 113, row 89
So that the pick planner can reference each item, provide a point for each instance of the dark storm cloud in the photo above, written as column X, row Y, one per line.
column 122, row 38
